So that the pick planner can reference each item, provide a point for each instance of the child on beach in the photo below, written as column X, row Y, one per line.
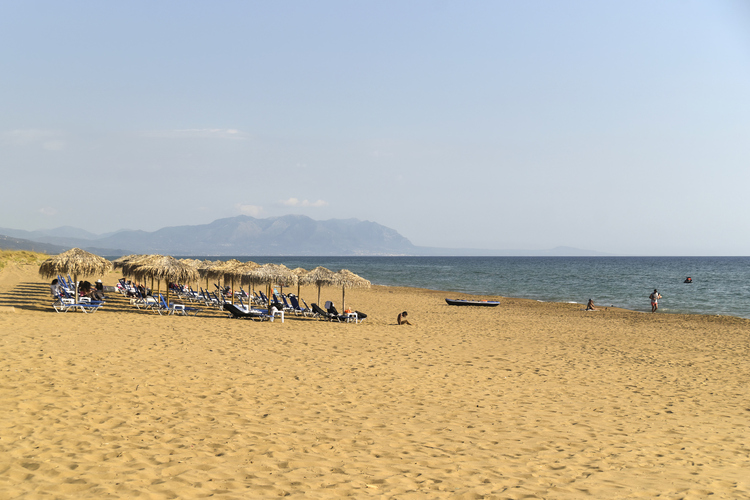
column 401, row 320
column 654, row 300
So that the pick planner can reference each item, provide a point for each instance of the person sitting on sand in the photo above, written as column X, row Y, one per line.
column 590, row 305
column 401, row 320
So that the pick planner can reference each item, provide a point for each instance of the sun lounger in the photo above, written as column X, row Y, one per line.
column 296, row 308
column 319, row 312
column 65, row 304
column 253, row 314
column 175, row 308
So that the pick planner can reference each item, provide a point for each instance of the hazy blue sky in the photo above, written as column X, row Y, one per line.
column 622, row 127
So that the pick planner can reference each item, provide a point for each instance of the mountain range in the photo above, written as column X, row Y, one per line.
column 291, row 235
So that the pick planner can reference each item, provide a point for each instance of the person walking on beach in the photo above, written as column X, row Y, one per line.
column 401, row 320
column 654, row 300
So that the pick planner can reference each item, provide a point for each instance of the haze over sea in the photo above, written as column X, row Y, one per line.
column 721, row 285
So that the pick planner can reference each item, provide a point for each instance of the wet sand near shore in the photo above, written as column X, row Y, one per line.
column 524, row 400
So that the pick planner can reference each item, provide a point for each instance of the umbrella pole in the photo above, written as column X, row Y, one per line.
column 167, row 293
column 232, row 290
column 76, row 299
column 343, row 298
column 318, row 294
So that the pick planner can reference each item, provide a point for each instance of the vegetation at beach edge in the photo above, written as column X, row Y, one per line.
column 20, row 257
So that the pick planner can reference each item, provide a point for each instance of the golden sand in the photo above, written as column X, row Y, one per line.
column 526, row 400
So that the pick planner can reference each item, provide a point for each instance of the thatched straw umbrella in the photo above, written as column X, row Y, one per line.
column 206, row 266
column 346, row 278
column 76, row 262
column 299, row 271
column 243, row 273
column 320, row 276
column 165, row 267
column 222, row 271
column 275, row 274
column 194, row 263
column 121, row 261
column 134, row 267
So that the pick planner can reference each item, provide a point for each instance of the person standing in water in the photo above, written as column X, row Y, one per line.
column 654, row 300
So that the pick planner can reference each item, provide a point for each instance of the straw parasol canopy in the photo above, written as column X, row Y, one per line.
column 320, row 276
column 236, row 270
column 220, row 268
column 348, row 279
column 271, row 274
column 194, row 263
column 205, row 266
column 244, row 272
column 223, row 270
column 166, row 267
column 76, row 262
column 299, row 271
column 121, row 261
column 137, row 267
column 191, row 262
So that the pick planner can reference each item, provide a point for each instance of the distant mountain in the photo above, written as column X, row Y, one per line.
column 242, row 235
column 286, row 235
column 294, row 235
column 10, row 243
column 49, row 235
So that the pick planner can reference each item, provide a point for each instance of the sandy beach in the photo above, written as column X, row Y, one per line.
column 525, row 400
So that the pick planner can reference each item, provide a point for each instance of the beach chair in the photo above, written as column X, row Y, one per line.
column 210, row 301
column 296, row 309
column 242, row 313
column 321, row 313
column 143, row 301
column 281, row 305
column 175, row 308
column 63, row 303
column 220, row 301
column 360, row 316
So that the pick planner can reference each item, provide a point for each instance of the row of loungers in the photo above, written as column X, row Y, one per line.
column 315, row 311
column 221, row 299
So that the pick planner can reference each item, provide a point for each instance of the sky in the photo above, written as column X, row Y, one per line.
column 619, row 127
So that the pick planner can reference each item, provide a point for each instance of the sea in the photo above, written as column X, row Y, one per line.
column 720, row 285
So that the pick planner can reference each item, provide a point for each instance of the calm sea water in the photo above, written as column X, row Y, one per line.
column 721, row 285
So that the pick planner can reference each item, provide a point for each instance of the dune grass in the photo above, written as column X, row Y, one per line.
column 21, row 257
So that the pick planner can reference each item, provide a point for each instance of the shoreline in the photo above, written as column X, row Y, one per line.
column 494, row 297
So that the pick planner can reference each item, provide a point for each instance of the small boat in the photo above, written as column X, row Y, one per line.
column 482, row 303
